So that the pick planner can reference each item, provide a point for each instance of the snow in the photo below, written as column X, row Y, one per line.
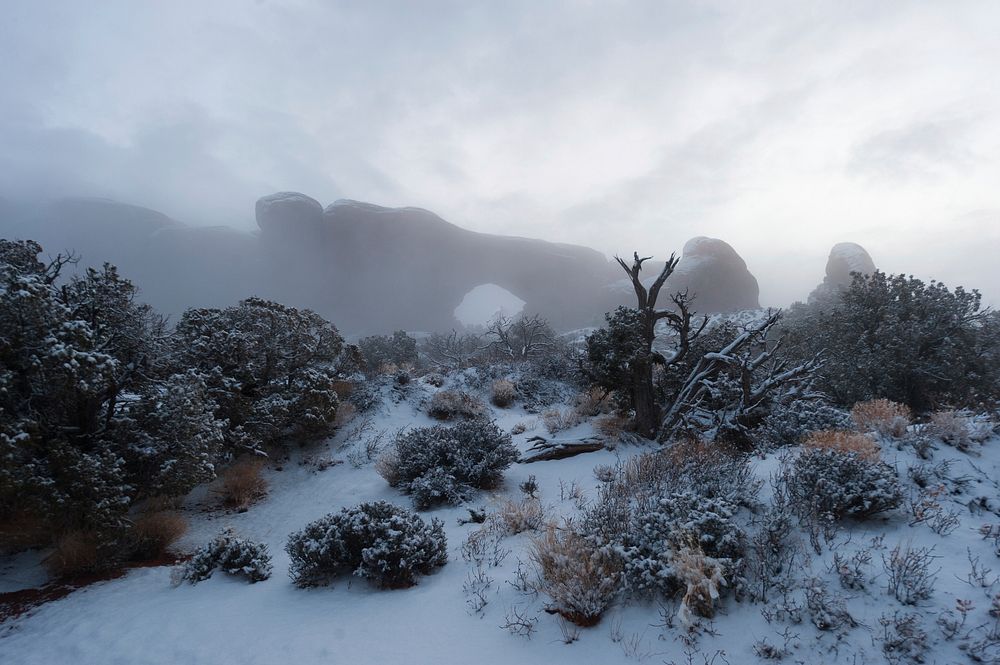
column 142, row 619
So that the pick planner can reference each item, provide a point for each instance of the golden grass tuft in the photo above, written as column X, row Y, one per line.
column 581, row 580
column 503, row 393
column 153, row 533
column 883, row 416
column 243, row 483
column 76, row 552
column 842, row 441
column 520, row 516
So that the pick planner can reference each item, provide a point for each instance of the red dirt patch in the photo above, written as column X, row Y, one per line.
column 14, row 604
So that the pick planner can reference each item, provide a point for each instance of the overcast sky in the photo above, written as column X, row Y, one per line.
column 779, row 127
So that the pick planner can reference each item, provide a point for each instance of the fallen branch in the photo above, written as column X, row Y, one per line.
column 544, row 450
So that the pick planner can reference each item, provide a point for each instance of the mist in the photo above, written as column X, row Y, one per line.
column 613, row 126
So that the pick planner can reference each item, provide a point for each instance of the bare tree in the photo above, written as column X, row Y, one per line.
column 678, row 319
column 454, row 349
column 520, row 338
column 746, row 369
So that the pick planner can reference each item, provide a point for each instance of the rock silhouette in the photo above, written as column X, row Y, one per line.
column 368, row 268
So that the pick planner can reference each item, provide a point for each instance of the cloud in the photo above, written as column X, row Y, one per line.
column 782, row 128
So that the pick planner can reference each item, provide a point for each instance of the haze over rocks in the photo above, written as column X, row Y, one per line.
column 340, row 259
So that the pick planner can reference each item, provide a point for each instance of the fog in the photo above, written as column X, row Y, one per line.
column 615, row 126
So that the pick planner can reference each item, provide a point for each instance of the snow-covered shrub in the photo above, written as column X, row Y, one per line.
column 232, row 555
column 581, row 580
column 903, row 638
column 452, row 404
column 383, row 543
column 853, row 570
column 659, row 528
column 771, row 550
column 538, row 393
column 434, row 379
column 828, row 483
column 503, row 393
column 883, row 416
column 243, row 483
column 792, row 422
column 896, row 337
column 442, row 464
column 960, row 429
column 153, row 533
column 827, row 611
column 841, row 441
column 366, row 396
column 271, row 369
column 179, row 441
column 658, row 504
column 380, row 351
column 908, row 573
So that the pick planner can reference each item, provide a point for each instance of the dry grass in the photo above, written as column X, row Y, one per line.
column 520, row 516
column 344, row 389
column 952, row 427
column 841, row 441
column 592, row 403
column 557, row 420
column 503, row 393
column 345, row 414
column 450, row 404
column 387, row 466
column 702, row 577
column 581, row 580
column 243, row 483
column 883, row 416
column 611, row 426
column 76, row 553
column 153, row 533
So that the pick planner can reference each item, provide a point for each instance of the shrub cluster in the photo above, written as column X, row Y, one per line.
column 442, row 464
column 101, row 405
column 231, row 554
column 897, row 337
column 792, row 422
column 668, row 521
column 383, row 543
column 381, row 351
column 833, row 483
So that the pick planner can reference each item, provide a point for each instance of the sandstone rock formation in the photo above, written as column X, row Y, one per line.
column 366, row 267
column 846, row 258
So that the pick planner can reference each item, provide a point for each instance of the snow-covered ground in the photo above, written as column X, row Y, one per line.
column 142, row 618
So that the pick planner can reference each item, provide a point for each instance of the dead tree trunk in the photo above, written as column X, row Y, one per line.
column 647, row 413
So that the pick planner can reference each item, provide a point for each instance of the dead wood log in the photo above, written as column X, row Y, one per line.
column 544, row 450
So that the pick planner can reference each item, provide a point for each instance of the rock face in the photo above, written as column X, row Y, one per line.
column 278, row 211
column 845, row 259
column 366, row 267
